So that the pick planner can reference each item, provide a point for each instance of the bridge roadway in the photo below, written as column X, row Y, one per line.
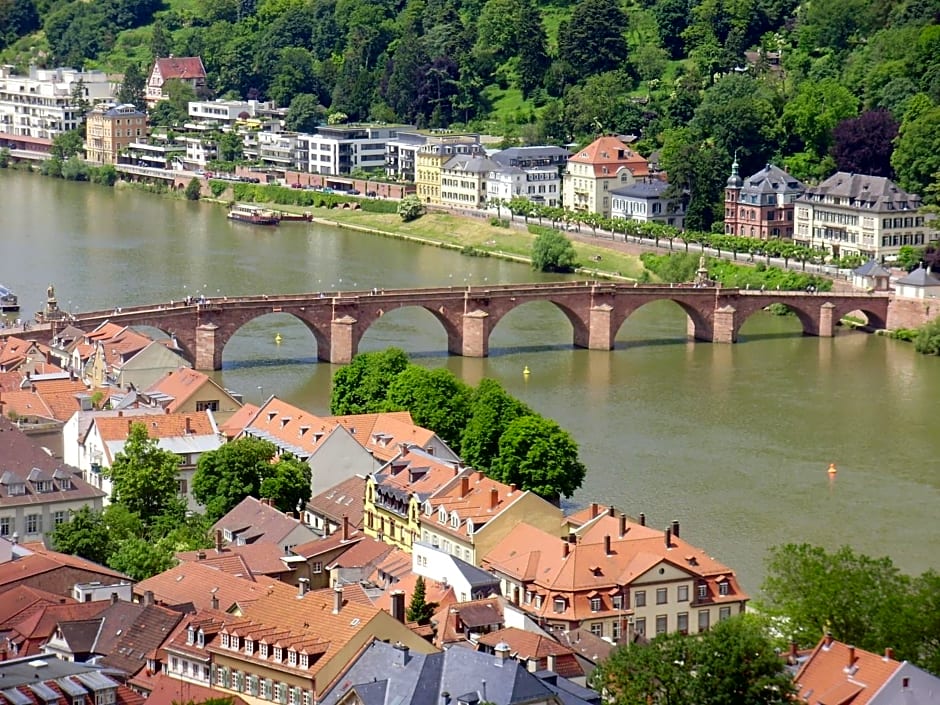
column 596, row 310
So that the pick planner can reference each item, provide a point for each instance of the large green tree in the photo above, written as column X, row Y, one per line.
column 225, row 476
column 734, row 662
column 536, row 454
column 813, row 113
column 492, row 409
column 361, row 387
column 593, row 40
column 916, row 158
column 145, row 477
column 85, row 534
column 133, row 86
column 287, row 483
column 553, row 252
column 436, row 399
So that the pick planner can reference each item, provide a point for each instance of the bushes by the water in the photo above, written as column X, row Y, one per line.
column 679, row 268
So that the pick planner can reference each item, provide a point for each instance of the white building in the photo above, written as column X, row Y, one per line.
column 277, row 148
column 464, row 180
column 919, row 284
column 533, row 173
column 40, row 106
column 228, row 112
column 401, row 153
column 857, row 214
column 646, row 202
column 468, row 581
column 340, row 149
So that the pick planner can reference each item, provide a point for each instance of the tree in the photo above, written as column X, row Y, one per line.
column 305, row 113
column 492, row 409
column 67, row 144
column 410, row 208
column 160, row 41
column 361, row 387
column 593, row 39
column 436, row 399
column 225, row 476
column 140, row 559
column 536, row 454
column 419, row 610
column 132, row 87
column 553, row 252
column 193, row 189
column 231, row 147
column 855, row 597
column 145, row 478
column 814, row 112
column 916, row 155
column 864, row 144
column 287, row 483
column 85, row 534
column 734, row 662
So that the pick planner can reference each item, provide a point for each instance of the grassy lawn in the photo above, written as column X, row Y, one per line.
column 459, row 232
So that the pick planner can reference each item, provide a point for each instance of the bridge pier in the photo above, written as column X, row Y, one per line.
column 208, row 352
column 342, row 347
column 600, row 329
column 723, row 328
column 476, row 334
column 826, row 322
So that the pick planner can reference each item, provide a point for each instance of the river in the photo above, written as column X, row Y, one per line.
column 732, row 440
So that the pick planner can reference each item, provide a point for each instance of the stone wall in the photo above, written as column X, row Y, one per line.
column 911, row 313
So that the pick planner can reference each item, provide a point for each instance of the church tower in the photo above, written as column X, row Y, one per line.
column 732, row 190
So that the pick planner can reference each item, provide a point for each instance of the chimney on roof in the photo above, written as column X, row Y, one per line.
column 494, row 497
column 400, row 655
column 675, row 528
column 130, row 424
column 550, row 662
column 794, row 652
column 166, row 410
column 667, row 536
column 572, row 537
column 512, row 487
column 114, row 598
column 464, row 486
column 889, row 653
column 398, row 605
column 148, row 598
column 594, row 509
column 607, row 550
column 218, row 540
column 120, row 413
column 303, row 584
column 214, row 601
column 502, row 653
column 827, row 640
column 565, row 549
column 189, row 425
column 851, row 657
column 610, row 510
column 642, row 519
column 200, row 555
column 623, row 525
column 345, row 528
column 337, row 599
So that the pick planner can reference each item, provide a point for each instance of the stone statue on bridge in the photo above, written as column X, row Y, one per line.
column 51, row 310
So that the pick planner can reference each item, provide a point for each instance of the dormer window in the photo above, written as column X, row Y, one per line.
column 442, row 515
column 723, row 587
column 249, row 646
column 44, row 486
column 190, row 635
column 233, row 642
column 201, row 638
column 559, row 605
column 305, row 660
column 65, row 483
column 292, row 658
column 278, row 653
column 263, row 649
column 702, row 591
column 224, row 640
column 455, row 520
column 428, row 509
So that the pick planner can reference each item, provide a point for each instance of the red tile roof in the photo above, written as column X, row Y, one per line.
column 238, row 421
column 181, row 67
column 23, row 600
column 116, row 428
column 248, row 560
column 181, row 384
column 609, row 155
column 384, row 433
column 198, row 584
column 475, row 499
column 838, row 674
column 169, row 691
column 536, row 647
column 344, row 499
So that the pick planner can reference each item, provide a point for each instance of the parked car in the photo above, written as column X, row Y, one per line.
column 353, row 192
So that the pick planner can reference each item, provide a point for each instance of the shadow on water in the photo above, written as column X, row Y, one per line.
column 784, row 335
column 650, row 343
column 504, row 351
column 269, row 362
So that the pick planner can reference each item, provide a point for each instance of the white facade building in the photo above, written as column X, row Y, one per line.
column 228, row 112
column 336, row 150
column 468, row 581
column 40, row 106
column 533, row 173
column 646, row 202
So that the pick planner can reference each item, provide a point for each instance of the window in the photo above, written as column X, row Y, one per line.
column 317, row 567
column 174, row 664
column 292, row 692
column 212, row 405
column 615, row 630
column 266, row 689
column 682, row 594
column 220, row 677
column 595, row 604
column 278, row 654
column 5, row 526
column 703, row 620
column 662, row 622
column 33, row 523
column 723, row 587
column 292, row 657
column 305, row 660
column 559, row 604
column 662, row 596
column 249, row 646
column 639, row 598
column 233, row 642
column 528, row 596
column 190, row 635
column 640, row 626
column 253, row 685
column 617, row 602
column 201, row 638
column 702, row 591
column 682, row 622
column 724, row 613
column 263, row 648
column 278, row 692
column 538, row 601
column 597, row 628
column 224, row 640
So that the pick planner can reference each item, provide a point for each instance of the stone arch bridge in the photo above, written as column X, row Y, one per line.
column 596, row 310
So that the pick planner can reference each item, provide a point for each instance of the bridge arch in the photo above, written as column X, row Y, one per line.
column 806, row 311
column 876, row 311
column 700, row 325
column 227, row 331
column 578, row 316
column 369, row 314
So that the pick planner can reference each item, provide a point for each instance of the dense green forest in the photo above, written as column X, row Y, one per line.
column 856, row 85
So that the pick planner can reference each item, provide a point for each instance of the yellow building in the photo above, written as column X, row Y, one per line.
column 110, row 129
column 396, row 494
column 605, row 164
column 430, row 160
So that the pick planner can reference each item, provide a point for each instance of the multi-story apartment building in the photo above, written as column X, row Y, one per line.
column 37, row 107
column 401, row 153
column 605, row 164
column 533, row 173
column 856, row 214
column 430, row 160
column 647, row 202
column 396, row 495
column 468, row 518
column 337, row 150
column 277, row 149
column 229, row 112
column 761, row 206
column 463, row 180
column 112, row 129
column 614, row 577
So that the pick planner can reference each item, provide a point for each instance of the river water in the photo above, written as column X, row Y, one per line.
column 732, row 440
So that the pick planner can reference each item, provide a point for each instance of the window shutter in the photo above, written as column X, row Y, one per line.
column 283, row 694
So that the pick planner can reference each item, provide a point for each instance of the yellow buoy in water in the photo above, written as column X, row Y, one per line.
column 525, row 371
column 832, row 469
column 278, row 338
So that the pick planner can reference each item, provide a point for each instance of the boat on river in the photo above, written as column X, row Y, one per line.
column 8, row 300
column 253, row 215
